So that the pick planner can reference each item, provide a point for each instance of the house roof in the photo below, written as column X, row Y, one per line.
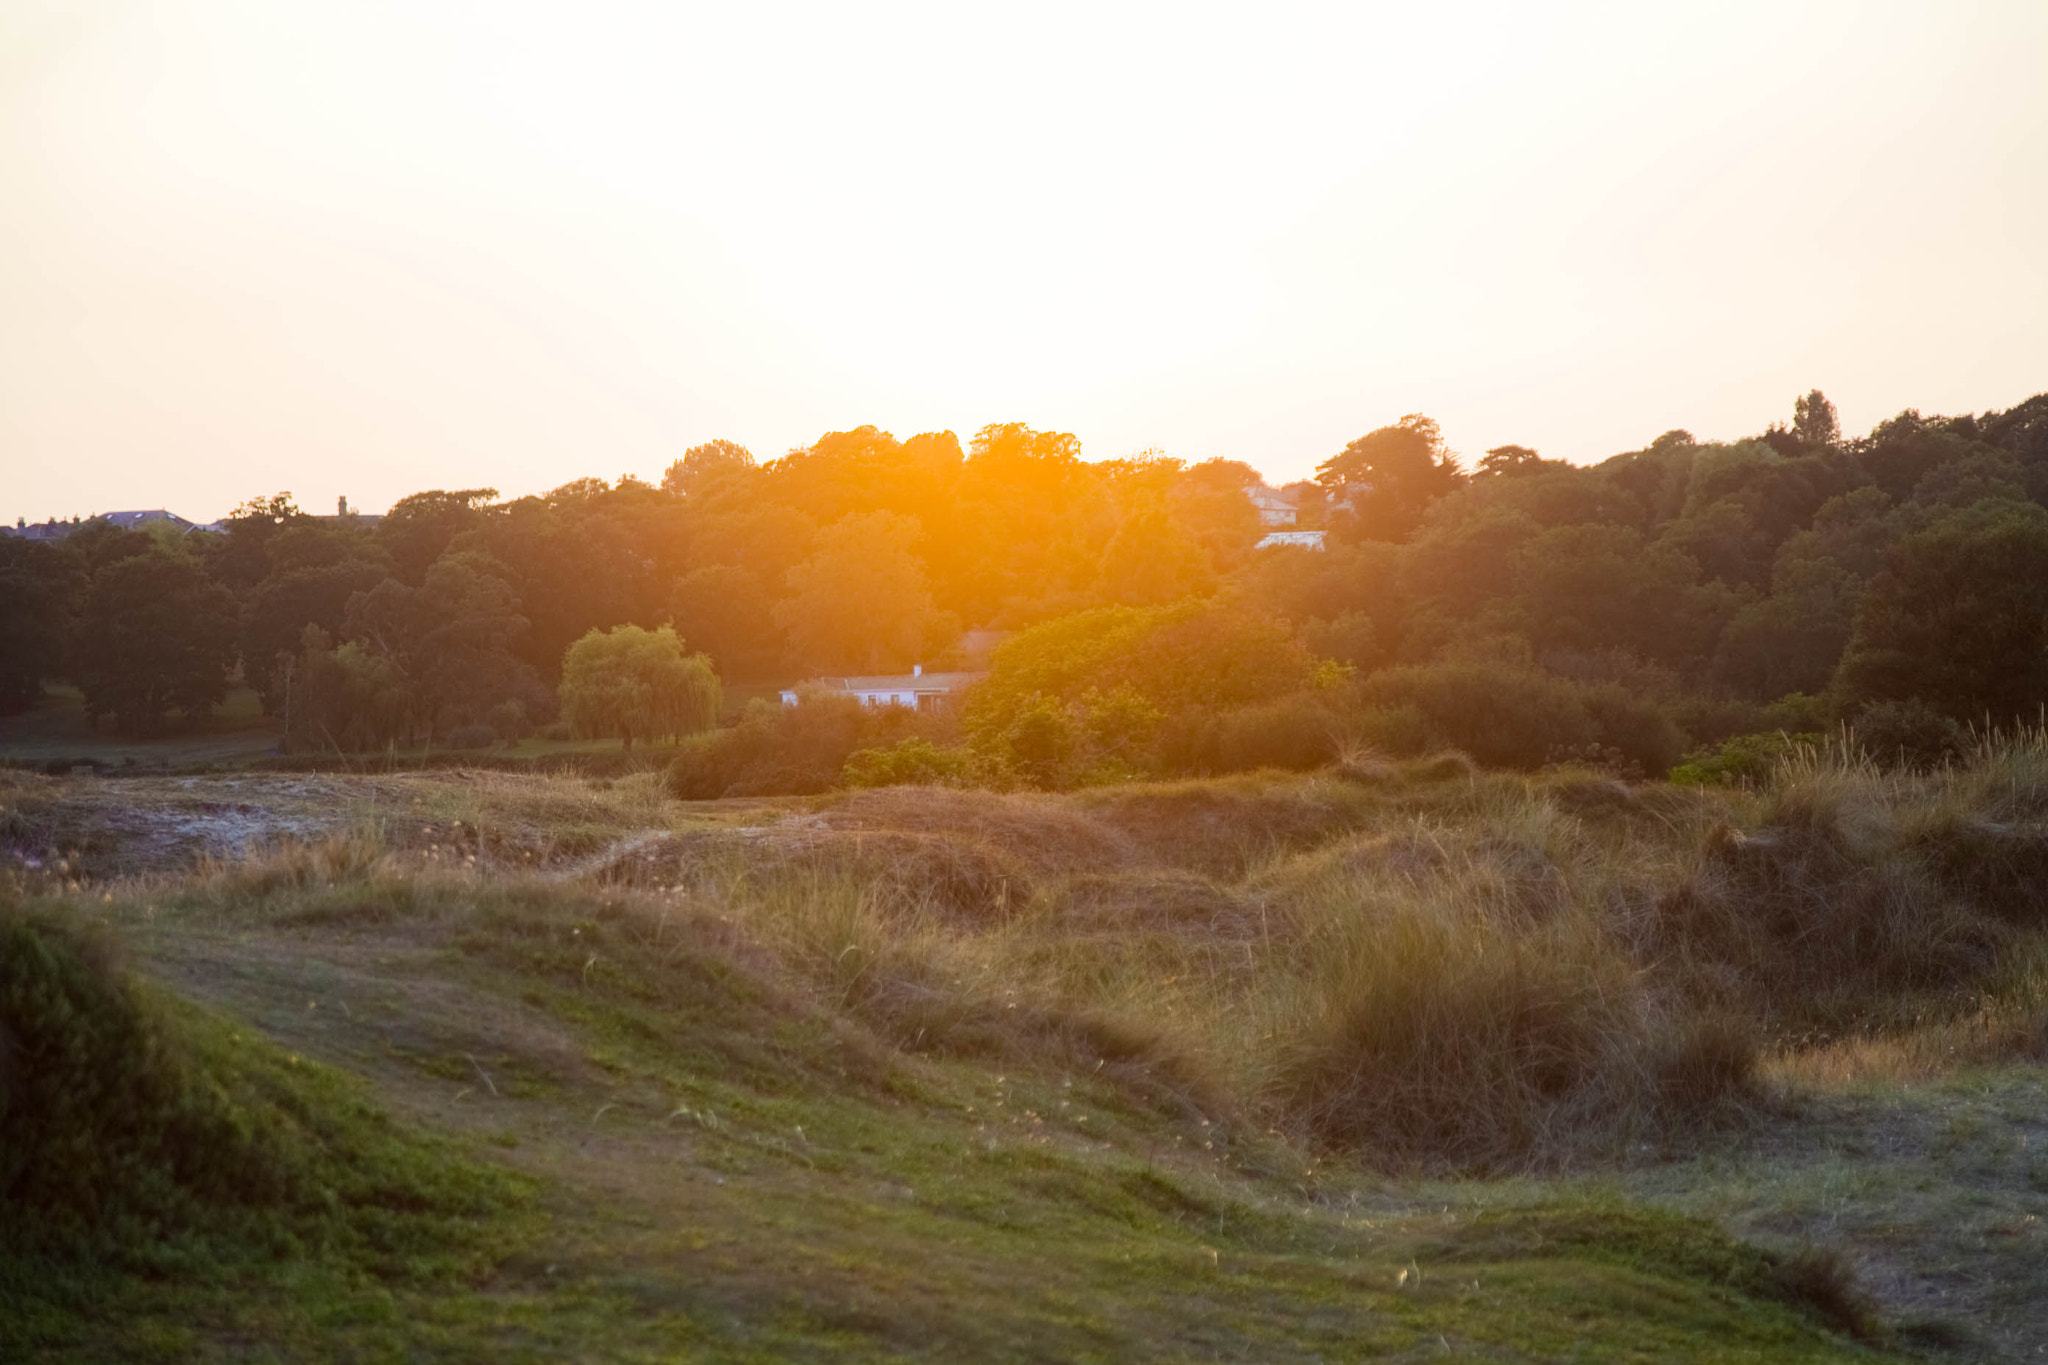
column 128, row 521
column 1263, row 496
column 1312, row 539
column 901, row 682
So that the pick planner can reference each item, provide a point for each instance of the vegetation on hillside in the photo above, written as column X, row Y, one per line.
column 990, row 1074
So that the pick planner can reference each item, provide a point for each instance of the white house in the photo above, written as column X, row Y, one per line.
column 1275, row 508
column 916, row 689
column 1307, row 540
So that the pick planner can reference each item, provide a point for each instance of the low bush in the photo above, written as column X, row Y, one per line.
column 470, row 737
column 1745, row 760
column 1511, row 716
column 910, row 762
column 1298, row 732
column 790, row 750
column 1907, row 734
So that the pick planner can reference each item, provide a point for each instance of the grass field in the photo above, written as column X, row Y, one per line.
column 918, row 1074
column 55, row 736
column 56, row 732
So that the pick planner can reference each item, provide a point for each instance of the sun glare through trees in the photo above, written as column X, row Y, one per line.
column 1110, row 682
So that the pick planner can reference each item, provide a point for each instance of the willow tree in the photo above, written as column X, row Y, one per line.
column 633, row 683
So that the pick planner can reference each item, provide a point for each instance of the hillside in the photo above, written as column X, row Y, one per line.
column 491, row 1066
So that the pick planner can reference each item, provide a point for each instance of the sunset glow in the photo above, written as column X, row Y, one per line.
column 368, row 248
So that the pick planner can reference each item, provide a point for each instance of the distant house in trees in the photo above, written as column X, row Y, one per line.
column 350, row 516
column 46, row 531
column 135, row 521
column 128, row 521
column 1275, row 508
column 1307, row 540
column 916, row 689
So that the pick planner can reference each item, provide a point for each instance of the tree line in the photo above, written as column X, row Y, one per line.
column 1787, row 581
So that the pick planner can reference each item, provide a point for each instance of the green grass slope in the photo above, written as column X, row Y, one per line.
column 556, row 1121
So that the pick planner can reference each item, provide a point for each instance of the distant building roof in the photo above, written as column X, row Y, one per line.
column 878, row 688
column 899, row 682
column 1307, row 540
column 127, row 521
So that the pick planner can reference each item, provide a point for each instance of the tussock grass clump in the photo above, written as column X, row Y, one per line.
column 1831, row 912
column 1457, row 1045
column 293, row 864
column 1459, row 999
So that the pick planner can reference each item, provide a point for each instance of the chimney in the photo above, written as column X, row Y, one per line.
column 917, row 670
column 341, row 506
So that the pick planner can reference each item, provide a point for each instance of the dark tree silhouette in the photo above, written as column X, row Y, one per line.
column 155, row 636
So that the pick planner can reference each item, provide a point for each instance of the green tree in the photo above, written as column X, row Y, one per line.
column 726, row 611
column 451, row 639
column 346, row 698
column 1515, row 461
column 860, row 601
column 241, row 557
column 1814, row 421
column 1791, row 640
column 156, row 635
column 1151, row 559
column 274, row 623
column 37, row 585
column 703, row 466
column 1959, row 619
column 1116, row 661
column 417, row 529
column 1391, row 475
column 629, row 682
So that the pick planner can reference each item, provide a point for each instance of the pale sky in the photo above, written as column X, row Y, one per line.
column 367, row 247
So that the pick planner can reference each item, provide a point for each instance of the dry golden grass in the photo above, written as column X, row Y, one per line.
column 1427, row 965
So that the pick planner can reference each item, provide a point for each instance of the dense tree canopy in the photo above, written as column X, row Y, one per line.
column 1800, row 572
column 156, row 635
column 860, row 602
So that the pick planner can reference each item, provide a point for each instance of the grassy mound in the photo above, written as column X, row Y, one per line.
column 143, row 1136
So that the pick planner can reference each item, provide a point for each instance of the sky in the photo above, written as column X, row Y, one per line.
column 364, row 247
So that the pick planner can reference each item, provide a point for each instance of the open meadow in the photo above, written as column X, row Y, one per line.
column 1389, row 1061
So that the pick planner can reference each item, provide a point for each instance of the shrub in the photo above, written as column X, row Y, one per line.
column 508, row 721
column 1746, row 760
column 796, row 750
column 1907, row 734
column 909, row 762
column 1298, row 732
column 1401, row 731
column 470, row 737
column 1117, row 673
column 1637, row 731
